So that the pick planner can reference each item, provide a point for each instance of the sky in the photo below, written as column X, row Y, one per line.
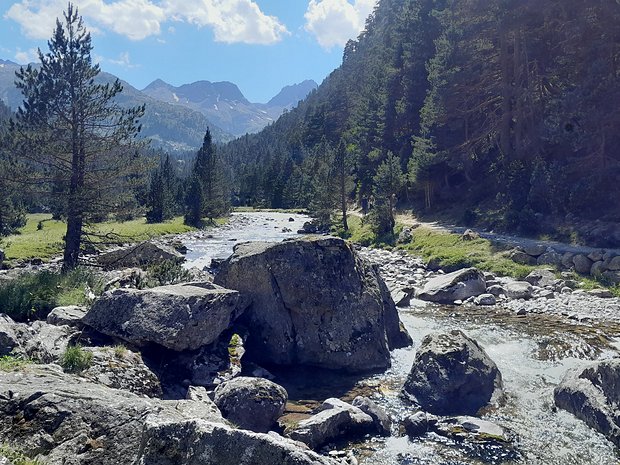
column 260, row 45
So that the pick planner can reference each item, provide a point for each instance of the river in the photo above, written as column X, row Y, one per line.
column 532, row 358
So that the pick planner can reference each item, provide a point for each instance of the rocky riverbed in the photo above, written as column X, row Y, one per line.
column 287, row 334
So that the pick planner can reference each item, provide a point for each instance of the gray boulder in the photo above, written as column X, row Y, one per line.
column 535, row 250
column 419, row 424
column 382, row 422
column 614, row 264
column 9, row 337
column 139, row 255
column 582, row 264
column 551, row 257
column 519, row 256
column 314, row 302
column 120, row 368
column 453, row 375
column 178, row 317
column 485, row 299
column 200, row 394
column 593, row 395
column 196, row 442
column 405, row 236
column 518, row 289
column 335, row 420
column 541, row 278
column 254, row 404
column 69, row 316
column 459, row 285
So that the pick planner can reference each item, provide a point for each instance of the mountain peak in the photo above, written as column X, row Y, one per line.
column 289, row 96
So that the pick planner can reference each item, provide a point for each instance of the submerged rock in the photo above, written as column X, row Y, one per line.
column 254, row 404
column 593, row 395
column 178, row 317
column 314, row 302
column 459, row 285
column 452, row 375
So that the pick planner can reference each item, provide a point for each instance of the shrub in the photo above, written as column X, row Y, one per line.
column 15, row 457
column 167, row 272
column 32, row 296
column 12, row 363
column 76, row 359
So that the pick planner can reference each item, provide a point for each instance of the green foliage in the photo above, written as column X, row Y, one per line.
column 387, row 183
column 161, row 200
column 13, row 363
column 16, row 457
column 167, row 272
column 32, row 296
column 76, row 359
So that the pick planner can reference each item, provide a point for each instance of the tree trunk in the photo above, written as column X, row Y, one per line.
column 73, row 241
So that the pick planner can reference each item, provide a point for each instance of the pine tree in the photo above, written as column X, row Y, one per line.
column 343, row 180
column 71, row 131
column 388, row 181
column 194, row 203
column 161, row 201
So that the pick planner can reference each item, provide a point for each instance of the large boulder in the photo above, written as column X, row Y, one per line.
column 254, row 404
column 453, row 375
column 70, row 316
column 459, row 285
column 196, row 442
column 143, row 254
column 178, row 317
column 336, row 420
column 9, row 337
column 593, row 395
column 314, row 302
column 68, row 420
column 46, row 343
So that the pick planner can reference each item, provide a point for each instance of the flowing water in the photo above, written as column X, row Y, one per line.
column 532, row 354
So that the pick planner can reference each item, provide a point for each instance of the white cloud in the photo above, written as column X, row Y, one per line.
column 231, row 20
column 23, row 57
column 334, row 22
column 123, row 61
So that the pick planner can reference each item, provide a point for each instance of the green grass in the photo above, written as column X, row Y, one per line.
column 34, row 295
column 13, row 363
column 451, row 253
column 16, row 457
column 47, row 242
column 76, row 359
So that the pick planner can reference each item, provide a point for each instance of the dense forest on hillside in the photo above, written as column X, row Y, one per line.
column 504, row 108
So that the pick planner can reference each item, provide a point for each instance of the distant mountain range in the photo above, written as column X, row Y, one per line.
column 225, row 105
column 176, row 118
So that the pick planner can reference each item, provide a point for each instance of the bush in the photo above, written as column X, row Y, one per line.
column 167, row 272
column 76, row 359
column 15, row 457
column 12, row 363
column 32, row 296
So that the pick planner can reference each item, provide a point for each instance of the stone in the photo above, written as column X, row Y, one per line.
column 600, row 293
column 70, row 316
column 120, row 368
column 453, row 375
column 382, row 422
column 127, row 278
column 46, row 343
column 485, row 299
column 470, row 235
column 535, row 250
column 178, row 317
column 254, row 404
column 459, row 285
column 335, row 420
column 200, row 394
column 496, row 290
column 582, row 264
column 598, row 268
column 519, row 256
column 314, row 301
column 542, row 278
column 194, row 442
column 518, row 289
column 567, row 260
column 596, row 255
column 613, row 277
column 140, row 255
column 64, row 419
column 614, row 264
column 402, row 296
column 2, row 256
column 9, row 337
column 549, row 258
column 405, row 236
column 592, row 395
column 419, row 424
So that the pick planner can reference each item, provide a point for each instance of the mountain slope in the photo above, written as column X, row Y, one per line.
column 225, row 105
column 493, row 107
column 171, row 127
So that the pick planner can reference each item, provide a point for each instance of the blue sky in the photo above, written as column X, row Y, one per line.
column 260, row 45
